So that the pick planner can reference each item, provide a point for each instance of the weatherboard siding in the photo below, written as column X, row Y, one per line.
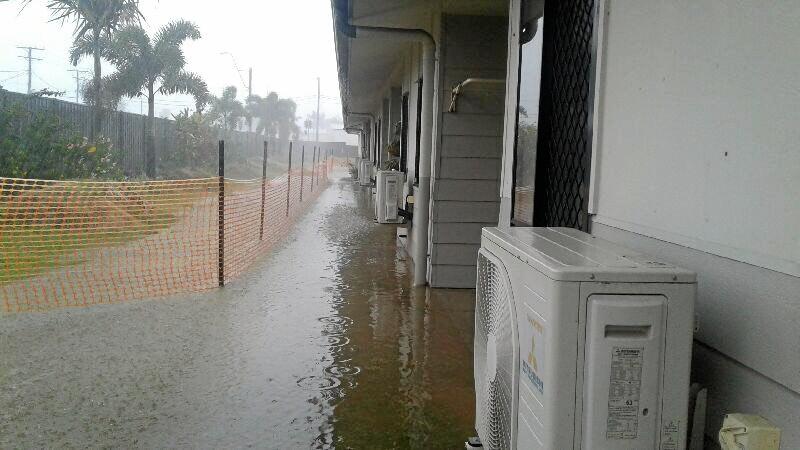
column 465, row 190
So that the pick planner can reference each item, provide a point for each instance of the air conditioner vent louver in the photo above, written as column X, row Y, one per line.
column 494, row 354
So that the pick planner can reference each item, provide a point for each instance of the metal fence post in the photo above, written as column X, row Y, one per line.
column 302, row 170
column 221, row 217
column 289, row 179
column 313, row 166
column 263, row 190
column 317, row 165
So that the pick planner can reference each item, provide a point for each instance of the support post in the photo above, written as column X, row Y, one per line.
column 221, row 217
column 319, row 159
column 302, row 170
column 313, row 166
column 289, row 179
column 263, row 190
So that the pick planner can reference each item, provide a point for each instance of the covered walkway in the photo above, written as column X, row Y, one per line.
column 321, row 344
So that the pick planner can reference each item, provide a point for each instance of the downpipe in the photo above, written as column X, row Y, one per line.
column 421, row 222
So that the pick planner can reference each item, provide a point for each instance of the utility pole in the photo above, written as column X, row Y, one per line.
column 249, row 95
column 317, row 135
column 77, row 83
column 30, row 59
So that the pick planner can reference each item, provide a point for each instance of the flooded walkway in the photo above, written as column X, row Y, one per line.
column 323, row 344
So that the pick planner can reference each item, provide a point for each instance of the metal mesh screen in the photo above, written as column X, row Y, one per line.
column 564, row 148
column 78, row 243
column 494, row 355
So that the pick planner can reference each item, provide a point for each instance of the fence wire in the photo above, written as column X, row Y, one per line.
column 79, row 243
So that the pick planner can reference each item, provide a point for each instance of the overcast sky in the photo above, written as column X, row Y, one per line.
column 288, row 43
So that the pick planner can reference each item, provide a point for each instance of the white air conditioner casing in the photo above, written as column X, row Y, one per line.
column 388, row 197
column 365, row 172
column 579, row 343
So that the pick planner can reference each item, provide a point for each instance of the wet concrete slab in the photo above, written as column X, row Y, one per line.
column 322, row 344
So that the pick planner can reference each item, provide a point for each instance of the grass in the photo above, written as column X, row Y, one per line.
column 36, row 249
column 39, row 245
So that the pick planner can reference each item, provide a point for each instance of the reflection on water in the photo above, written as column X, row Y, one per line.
column 323, row 345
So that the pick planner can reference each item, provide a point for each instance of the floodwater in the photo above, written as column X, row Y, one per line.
column 323, row 344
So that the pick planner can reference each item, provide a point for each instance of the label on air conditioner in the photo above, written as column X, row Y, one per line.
column 623, row 393
column 532, row 347
column 669, row 435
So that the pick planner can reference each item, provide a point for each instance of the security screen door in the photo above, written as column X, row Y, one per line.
column 557, row 134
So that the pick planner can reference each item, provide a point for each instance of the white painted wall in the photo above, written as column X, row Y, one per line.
column 696, row 161
column 700, row 127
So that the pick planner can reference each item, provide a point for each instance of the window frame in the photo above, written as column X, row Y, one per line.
column 418, row 136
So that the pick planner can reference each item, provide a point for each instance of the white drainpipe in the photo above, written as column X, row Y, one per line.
column 420, row 225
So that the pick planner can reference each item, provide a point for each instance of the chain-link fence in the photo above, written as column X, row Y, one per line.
column 77, row 243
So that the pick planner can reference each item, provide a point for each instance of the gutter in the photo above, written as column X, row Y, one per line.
column 420, row 226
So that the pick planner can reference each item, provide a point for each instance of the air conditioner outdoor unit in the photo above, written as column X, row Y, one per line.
column 365, row 172
column 389, row 189
column 579, row 343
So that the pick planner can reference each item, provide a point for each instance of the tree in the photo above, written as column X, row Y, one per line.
column 264, row 110
column 276, row 116
column 95, row 22
column 226, row 111
column 286, row 119
column 148, row 67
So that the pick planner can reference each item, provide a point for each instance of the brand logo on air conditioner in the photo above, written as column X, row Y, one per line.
column 531, row 365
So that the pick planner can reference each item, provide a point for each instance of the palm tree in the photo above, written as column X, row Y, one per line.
column 264, row 109
column 95, row 21
column 276, row 116
column 148, row 67
column 226, row 111
column 286, row 119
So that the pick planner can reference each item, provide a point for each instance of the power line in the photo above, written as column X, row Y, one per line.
column 43, row 81
column 236, row 66
column 30, row 59
column 12, row 77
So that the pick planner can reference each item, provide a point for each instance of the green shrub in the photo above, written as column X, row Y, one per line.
column 40, row 145
column 194, row 151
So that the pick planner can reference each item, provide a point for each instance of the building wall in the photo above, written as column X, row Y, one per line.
column 696, row 162
column 468, row 146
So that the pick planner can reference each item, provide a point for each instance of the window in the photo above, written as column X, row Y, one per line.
column 404, row 134
column 419, row 131
column 530, row 77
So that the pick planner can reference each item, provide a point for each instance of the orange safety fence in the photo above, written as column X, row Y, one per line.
column 79, row 243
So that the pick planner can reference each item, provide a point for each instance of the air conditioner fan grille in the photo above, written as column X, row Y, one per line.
column 494, row 355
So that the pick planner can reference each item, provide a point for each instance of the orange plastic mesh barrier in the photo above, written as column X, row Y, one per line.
column 78, row 243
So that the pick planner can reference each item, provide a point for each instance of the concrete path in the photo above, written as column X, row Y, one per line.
column 323, row 344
